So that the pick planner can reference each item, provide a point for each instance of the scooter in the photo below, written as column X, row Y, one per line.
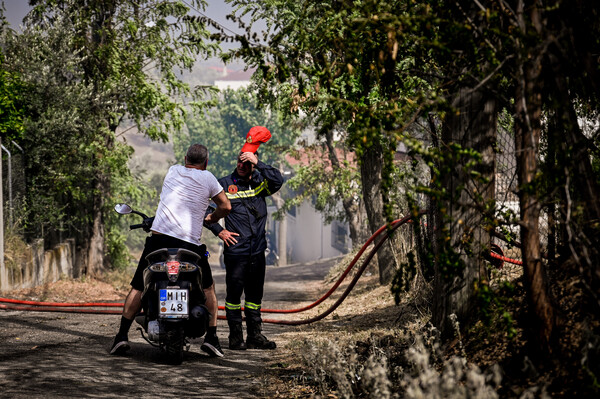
column 173, row 300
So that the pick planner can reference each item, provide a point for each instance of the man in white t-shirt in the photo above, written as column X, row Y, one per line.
column 186, row 193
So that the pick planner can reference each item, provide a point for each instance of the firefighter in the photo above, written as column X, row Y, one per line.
column 245, row 240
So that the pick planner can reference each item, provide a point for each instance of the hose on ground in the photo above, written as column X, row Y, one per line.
column 73, row 307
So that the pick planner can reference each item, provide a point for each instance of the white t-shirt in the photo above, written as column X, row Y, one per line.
column 186, row 193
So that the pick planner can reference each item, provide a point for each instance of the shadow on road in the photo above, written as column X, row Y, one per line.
column 53, row 355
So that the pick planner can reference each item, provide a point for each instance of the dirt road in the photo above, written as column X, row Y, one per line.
column 61, row 355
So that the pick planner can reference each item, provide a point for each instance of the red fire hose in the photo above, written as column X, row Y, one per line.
column 68, row 307
column 65, row 305
column 43, row 305
column 58, row 309
column 505, row 259
column 360, row 271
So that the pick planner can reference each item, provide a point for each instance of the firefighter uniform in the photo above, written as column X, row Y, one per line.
column 245, row 260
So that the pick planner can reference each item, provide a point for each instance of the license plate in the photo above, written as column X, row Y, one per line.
column 173, row 303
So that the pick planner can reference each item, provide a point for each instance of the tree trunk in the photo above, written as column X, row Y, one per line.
column 371, row 167
column 576, row 159
column 95, row 256
column 95, row 261
column 586, row 181
column 528, row 112
column 352, row 208
column 355, row 217
column 473, row 125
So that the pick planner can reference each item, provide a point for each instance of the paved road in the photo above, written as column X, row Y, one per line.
column 61, row 355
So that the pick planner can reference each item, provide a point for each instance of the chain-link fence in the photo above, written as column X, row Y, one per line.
column 507, row 203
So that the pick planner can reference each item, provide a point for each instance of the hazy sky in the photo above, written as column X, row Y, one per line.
column 17, row 9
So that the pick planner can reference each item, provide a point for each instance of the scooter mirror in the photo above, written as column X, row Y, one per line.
column 123, row 209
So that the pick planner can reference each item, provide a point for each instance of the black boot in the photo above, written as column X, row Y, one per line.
column 255, row 339
column 236, row 336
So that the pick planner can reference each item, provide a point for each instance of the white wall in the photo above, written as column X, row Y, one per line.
column 40, row 267
column 308, row 238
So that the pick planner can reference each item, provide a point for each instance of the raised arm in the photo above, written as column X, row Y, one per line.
column 272, row 176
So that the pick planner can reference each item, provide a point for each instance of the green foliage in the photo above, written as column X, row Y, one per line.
column 403, row 277
column 316, row 179
column 58, row 140
column 336, row 56
column 223, row 129
column 11, row 113
column 494, row 306
column 134, row 53
column 87, row 71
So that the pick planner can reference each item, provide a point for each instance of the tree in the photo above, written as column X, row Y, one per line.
column 377, row 68
column 107, row 64
column 223, row 130
column 461, row 68
column 11, row 126
column 11, row 113
column 342, row 63
column 547, row 42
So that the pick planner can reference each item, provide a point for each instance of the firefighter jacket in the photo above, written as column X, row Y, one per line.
column 248, row 216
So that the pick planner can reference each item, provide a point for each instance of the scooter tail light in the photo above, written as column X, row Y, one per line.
column 173, row 270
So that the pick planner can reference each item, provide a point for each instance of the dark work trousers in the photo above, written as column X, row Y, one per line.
column 244, row 274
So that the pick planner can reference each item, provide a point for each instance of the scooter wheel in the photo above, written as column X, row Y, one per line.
column 174, row 345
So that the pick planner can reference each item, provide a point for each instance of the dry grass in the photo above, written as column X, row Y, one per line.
column 110, row 288
column 369, row 347
column 372, row 348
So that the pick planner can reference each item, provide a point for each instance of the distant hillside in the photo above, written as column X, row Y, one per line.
column 154, row 157
column 150, row 157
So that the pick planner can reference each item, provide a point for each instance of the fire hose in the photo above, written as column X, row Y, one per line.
column 68, row 307
column 77, row 307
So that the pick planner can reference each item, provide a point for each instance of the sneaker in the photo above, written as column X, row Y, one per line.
column 212, row 347
column 120, row 346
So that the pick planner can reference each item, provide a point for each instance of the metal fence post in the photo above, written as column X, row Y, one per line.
column 10, row 199
column 3, row 271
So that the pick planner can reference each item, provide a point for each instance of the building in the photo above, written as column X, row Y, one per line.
column 234, row 79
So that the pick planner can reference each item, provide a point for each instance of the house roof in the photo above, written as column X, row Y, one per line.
column 306, row 156
column 237, row 76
